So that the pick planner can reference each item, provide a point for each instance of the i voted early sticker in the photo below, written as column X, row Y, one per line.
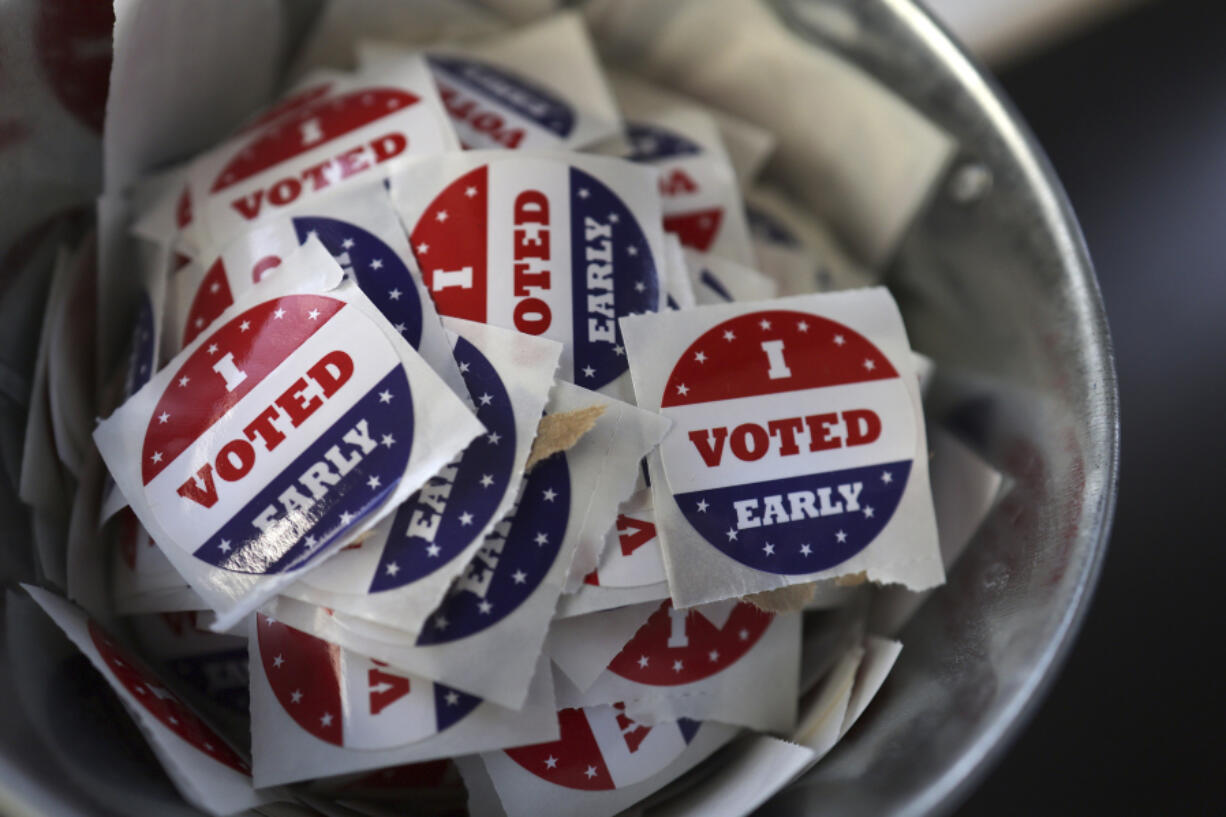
column 556, row 245
column 795, row 440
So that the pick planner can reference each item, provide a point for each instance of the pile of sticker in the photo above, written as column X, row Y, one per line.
column 477, row 447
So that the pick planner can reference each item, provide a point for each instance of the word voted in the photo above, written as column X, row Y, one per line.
column 469, row 111
column 750, row 441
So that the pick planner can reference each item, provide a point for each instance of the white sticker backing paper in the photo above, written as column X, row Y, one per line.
column 754, row 487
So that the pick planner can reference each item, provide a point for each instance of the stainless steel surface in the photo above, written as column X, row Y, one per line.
column 996, row 286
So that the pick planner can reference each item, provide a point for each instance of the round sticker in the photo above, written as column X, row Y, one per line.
column 602, row 749
column 793, row 436
column 495, row 108
column 163, row 704
column 683, row 646
column 350, row 700
column 512, row 562
column 438, row 522
column 544, row 248
column 283, row 428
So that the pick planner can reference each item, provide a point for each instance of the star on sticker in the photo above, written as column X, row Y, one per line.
column 394, row 294
column 639, row 286
column 549, row 494
column 244, row 326
column 388, row 440
column 838, row 340
column 279, row 314
column 541, row 539
column 347, row 244
column 173, row 720
column 887, row 477
column 440, row 622
column 590, row 772
column 743, row 634
column 769, row 549
column 470, row 191
column 423, row 248
column 313, row 314
column 466, row 518
column 310, row 542
column 551, row 762
column 346, row 518
column 224, row 546
column 729, row 335
column 642, row 661
column 494, row 437
column 683, row 389
column 452, row 698
column 373, row 482
column 869, row 364
column 678, row 666
column 433, row 551
column 703, row 505
column 519, row 577
column 805, row 550
column 583, row 193
column 868, row 511
column 764, row 323
column 803, row 326
column 841, row 536
column 588, row 371
column 199, row 322
column 732, row 534
column 486, row 399
column 613, row 219
column 487, row 480
column 392, row 568
column 701, row 357
column 442, row 215
column 485, row 607
column 385, row 396
column 401, row 328
column 464, row 366
column 326, row 720
column 157, row 456
column 213, row 287
column 619, row 350
column 278, row 660
column 212, row 350
column 377, row 263
column 632, row 250
column 713, row 655
column 184, row 380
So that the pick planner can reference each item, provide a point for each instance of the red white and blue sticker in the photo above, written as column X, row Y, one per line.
column 547, row 244
column 358, row 129
column 604, row 762
column 794, row 434
column 402, row 572
column 343, row 712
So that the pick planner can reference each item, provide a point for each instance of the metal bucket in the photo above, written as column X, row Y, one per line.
column 995, row 284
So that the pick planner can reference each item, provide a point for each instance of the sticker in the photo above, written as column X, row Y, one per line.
column 360, row 129
column 498, row 610
column 603, row 763
column 699, row 192
column 755, row 489
column 720, row 281
column 202, row 765
column 343, row 712
column 728, row 661
column 539, row 86
column 292, row 424
column 546, row 244
column 362, row 232
column 402, row 572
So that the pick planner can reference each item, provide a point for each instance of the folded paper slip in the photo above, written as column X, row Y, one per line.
column 754, row 487
column 269, row 441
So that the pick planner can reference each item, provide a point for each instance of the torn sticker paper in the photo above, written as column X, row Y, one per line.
column 536, row 87
column 755, row 489
column 352, row 127
column 604, row 762
column 499, row 609
column 294, row 424
column 728, row 661
column 203, row 766
column 404, row 569
column 343, row 712
column 551, row 244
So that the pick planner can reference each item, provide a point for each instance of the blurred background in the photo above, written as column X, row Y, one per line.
column 1129, row 101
